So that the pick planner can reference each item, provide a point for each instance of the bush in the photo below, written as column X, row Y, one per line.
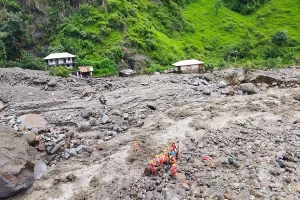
column 273, row 62
column 28, row 61
column 156, row 68
column 59, row 71
column 280, row 38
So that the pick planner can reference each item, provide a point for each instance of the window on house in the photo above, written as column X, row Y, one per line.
column 67, row 65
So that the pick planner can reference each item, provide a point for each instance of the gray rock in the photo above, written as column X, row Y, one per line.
column 240, row 92
column 60, row 138
column 72, row 152
column 297, row 97
column 207, row 91
column 66, row 154
column 249, row 88
column 225, row 91
column 125, row 116
column 112, row 133
column 40, row 169
column 208, row 77
column 52, row 83
column 86, row 114
column 49, row 149
column 88, row 149
column 221, row 84
column 12, row 121
column 105, row 119
column 151, row 105
column 30, row 138
column 57, row 147
column 17, row 163
column 139, row 123
column 116, row 112
column 156, row 73
column 79, row 149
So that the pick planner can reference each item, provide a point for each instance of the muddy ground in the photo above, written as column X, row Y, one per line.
column 253, row 139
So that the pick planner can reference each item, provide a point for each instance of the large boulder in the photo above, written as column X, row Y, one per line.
column 16, row 163
column 249, row 88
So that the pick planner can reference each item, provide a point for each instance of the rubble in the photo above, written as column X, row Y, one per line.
column 252, row 140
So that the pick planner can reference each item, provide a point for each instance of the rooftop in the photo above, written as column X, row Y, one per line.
column 187, row 62
column 84, row 69
column 59, row 55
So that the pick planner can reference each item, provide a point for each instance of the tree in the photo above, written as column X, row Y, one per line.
column 280, row 38
column 16, row 36
column 218, row 5
column 2, row 52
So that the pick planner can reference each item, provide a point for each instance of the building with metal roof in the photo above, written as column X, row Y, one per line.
column 60, row 59
column 189, row 66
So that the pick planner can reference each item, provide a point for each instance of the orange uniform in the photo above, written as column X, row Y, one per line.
column 174, row 169
column 152, row 167
column 172, row 160
column 173, row 146
column 166, row 156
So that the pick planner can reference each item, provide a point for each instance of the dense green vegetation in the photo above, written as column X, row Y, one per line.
column 59, row 71
column 249, row 33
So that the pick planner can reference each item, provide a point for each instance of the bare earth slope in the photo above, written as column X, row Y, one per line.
column 253, row 139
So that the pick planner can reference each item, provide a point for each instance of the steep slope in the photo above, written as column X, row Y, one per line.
column 151, row 35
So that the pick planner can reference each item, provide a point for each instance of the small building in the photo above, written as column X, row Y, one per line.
column 85, row 71
column 60, row 59
column 127, row 73
column 189, row 66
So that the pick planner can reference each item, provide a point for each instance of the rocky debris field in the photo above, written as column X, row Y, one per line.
column 82, row 134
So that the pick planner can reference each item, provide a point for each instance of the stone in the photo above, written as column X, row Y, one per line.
column 105, row 119
column 49, row 149
column 79, row 149
column 30, row 138
column 249, row 88
column 151, row 105
column 116, row 112
column 1, row 106
column 208, row 77
column 221, row 84
column 40, row 169
column 86, row 114
column 297, row 97
column 66, row 154
column 72, row 152
column 60, row 138
column 275, row 172
column 156, row 73
column 227, row 196
column 125, row 116
column 57, row 147
column 52, row 83
column 225, row 91
column 207, row 91
column 100, row 145
column 17, row 160
column 112, row 133
column 42, row 146
column 186, row 187
column 139, row 123
column 88, row 149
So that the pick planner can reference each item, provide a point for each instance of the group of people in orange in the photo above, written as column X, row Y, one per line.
column 169, row 156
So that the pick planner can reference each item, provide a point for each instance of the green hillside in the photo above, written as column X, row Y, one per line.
column 151, row 35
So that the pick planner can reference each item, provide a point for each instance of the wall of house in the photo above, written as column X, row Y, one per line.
column 190, row 69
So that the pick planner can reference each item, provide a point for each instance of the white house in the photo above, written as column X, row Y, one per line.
column 189, row 66
column 60, row 59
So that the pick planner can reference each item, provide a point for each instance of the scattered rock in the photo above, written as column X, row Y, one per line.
column 222, row 84
column 249, row 88
column 152, row 106
column 40, row 169
column 125, row 116
column 100, row 144
column 297, row 97
column 57, row 147
column 52, row 83
column 207, row 91
column 30, row 138
column 79, row 149
column 72, row 152
column 116, row 112
column 105, row 119
column 86, row 114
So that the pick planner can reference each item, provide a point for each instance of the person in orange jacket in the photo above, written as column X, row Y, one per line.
column 173, row 147
column 174, row 169
column 161, row 159
column 172, row 160
column 152, row 167
column 166, row 156
column 157, row 160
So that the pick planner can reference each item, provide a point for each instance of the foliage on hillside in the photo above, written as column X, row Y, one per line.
column 261, row 33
